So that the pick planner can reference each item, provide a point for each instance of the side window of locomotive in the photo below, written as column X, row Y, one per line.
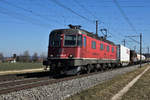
column 101, row 46
column 112, row 49
column 108, row 48
column 70, row 40
column 79, row 40
column 93, row 45
column 84, row 41
column 55, row 39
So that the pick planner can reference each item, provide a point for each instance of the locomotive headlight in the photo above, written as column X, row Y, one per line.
column 51, row 55
column 70, row 56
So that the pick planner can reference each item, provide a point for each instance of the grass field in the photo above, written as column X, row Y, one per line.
column 19, row 66
column 108, row 89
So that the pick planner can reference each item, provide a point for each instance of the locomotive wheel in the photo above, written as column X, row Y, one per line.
column 79, row 73
column 104, row 67
column 113, row 65
column 96, row 67
column 79, row 69
column 89, row 69
column 109, row 66
column 95, row 70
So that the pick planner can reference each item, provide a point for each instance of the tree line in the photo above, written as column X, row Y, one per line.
column 25, row 57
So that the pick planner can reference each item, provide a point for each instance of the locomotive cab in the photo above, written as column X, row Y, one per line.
column 64, row 45
column 64, row 50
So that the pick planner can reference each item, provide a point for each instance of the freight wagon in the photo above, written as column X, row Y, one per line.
column 123, row 55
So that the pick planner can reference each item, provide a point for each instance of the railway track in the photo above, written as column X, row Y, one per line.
column 13, row 77
column 18, row 85
column 7, row 86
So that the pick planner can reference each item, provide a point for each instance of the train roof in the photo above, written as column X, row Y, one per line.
column 97, row 37
column 90, row 34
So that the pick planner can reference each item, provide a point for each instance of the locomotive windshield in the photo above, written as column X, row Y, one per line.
column 70, row 40
column 55, row 39
column 73, row 40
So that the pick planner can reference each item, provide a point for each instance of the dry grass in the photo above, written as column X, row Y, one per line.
column 140, row 90
column 106, row 90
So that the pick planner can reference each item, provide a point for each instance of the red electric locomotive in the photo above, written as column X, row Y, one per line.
column 74, row 50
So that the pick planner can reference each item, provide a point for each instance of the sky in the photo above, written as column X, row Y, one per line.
column 26, row 24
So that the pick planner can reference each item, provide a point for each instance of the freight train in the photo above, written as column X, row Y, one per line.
column 74, row 51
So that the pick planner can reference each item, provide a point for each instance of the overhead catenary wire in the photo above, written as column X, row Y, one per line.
column 85, row 9
column 130, row 37
column 125, row 16
column 72, row 11
column 28, row 10
column 88, row 11
column 25, row 18
column 34, row 13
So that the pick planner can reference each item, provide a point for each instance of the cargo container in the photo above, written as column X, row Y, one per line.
column 142, row 57
column 123, row 55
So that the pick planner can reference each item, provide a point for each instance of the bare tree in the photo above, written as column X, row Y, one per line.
column 14, row 56
column 35, row 57
column 1, row 57
column 18, row 59
column 26, row 56
column 43, row 55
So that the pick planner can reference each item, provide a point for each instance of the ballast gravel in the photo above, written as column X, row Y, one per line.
column 62, row 90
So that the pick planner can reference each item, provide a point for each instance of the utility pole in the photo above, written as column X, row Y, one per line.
column 140, row 46
column 140, row 49
column 97, row 27
column 124, row 42
column 148, row 50
column 148, row 54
